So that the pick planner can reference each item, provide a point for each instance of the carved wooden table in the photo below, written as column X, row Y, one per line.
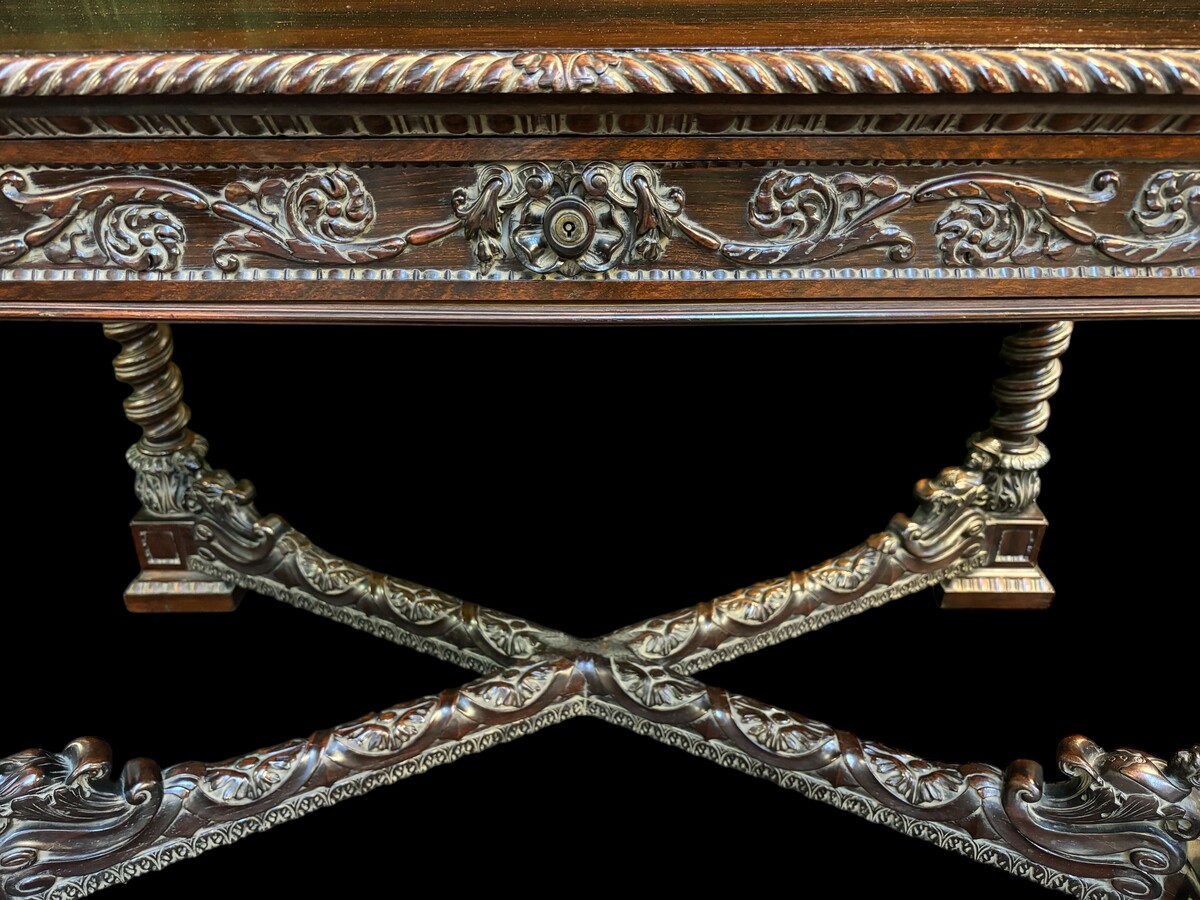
column 872, row 165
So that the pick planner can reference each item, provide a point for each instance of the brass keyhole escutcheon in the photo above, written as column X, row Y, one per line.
column 570, row 226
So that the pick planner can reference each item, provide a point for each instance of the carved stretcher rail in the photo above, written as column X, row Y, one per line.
column 1118, row 827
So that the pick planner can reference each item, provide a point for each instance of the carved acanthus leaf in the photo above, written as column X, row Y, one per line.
column 756, row 604
column 912, row 779
column 1002, row 218
column 655, row 687
column 252, row 777
column 811, row 217
column 388, row 731
column 779, row 732
column 512, row 689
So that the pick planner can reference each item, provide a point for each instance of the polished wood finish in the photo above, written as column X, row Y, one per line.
column 813, row 162
column 30, row 25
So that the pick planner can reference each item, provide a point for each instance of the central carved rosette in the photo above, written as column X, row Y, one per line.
column 567, row 223
column 566, row 219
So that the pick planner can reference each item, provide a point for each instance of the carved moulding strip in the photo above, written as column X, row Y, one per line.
column 67, row 828
column 743, row 70
column 546, row 124
column 591, row 220
column 234, row 542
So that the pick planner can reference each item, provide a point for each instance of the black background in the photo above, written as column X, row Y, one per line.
column 586, row 478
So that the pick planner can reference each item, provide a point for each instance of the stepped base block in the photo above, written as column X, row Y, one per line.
column 173, row 591
column 1010, row 577
column 998, row 588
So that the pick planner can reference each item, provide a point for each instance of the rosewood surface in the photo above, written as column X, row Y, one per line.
column 1033, row 163
column 30, row 25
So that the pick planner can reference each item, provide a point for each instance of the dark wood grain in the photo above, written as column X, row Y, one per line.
column 31, row 25
column 883, row 148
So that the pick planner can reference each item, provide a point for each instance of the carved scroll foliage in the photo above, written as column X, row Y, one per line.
column 809, row 217
column 583, row 220
column 1168, row 215
column 998, row 218
column 321, row 217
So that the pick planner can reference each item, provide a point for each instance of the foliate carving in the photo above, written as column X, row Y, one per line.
column 1118, row 828
column 120, row 221
column 780, row 732
column 756, row 604
column 750, row 70
column 161, row 482
column 253, row 777
column 945, row 535
column 322, row 217
column 512, row 688
column 388, row 731
column 568, row 219
column 809, row 217
column 509, row 635
column 232, row 537
column 662, row 636
column 656, row 688
column 60, row 810
column 419, row 605
column 914, row 780
column 999, row 218
column 67, row 828
column 581, row 220
column 1168, row 215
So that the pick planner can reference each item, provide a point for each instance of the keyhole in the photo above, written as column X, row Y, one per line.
column 569, row 228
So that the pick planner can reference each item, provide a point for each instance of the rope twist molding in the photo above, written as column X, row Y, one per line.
column 870, row 70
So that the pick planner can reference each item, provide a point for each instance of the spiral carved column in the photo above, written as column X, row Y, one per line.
column 156, row 403
column 1011, row 456
column 1032, row 356
column 166, row 461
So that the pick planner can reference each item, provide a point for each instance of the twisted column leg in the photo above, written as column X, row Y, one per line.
column 166, row 461
column 1011, row 456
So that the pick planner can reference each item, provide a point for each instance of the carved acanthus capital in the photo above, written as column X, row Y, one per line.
column 161, row 481
column 1011, row 479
